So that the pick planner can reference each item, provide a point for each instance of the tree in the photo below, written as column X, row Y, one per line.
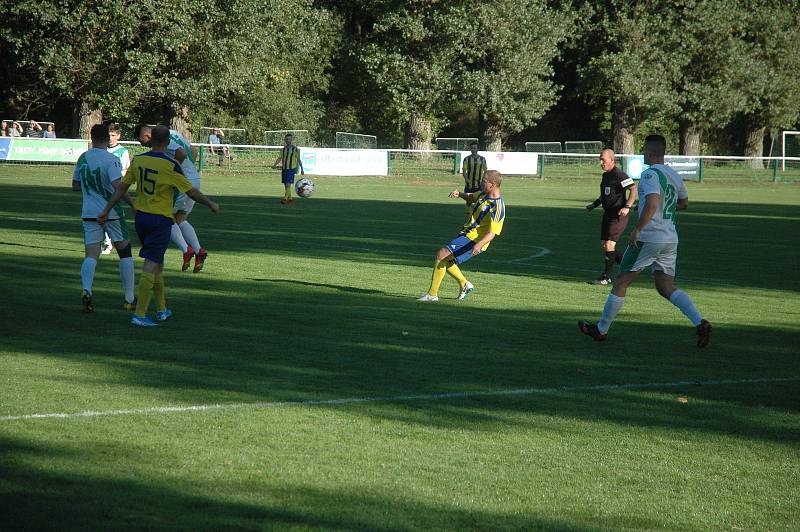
column 638, row 61
column 505, row 62
column 407, row 57
column 770, row 30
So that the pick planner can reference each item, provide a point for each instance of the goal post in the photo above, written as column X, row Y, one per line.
column 784, row 134
column 347, row 140
column 274, row 137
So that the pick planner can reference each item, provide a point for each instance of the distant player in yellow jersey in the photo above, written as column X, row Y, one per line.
column 157, row 176
column 289, row 161
column 488, row 212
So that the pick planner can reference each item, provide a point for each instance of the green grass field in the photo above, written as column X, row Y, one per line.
column 315, row 409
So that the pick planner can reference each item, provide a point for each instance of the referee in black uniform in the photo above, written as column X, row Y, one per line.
column 617, row 196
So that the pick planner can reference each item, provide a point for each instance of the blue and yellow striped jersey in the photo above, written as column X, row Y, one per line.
column 487, row 215
column 473, row 169
column 290, row 157
column 156, row 175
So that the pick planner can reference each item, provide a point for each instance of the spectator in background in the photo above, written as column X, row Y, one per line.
column 4, row 132
column 215, row 139
column 50, row 133
column 33, row 129
column 16, row 130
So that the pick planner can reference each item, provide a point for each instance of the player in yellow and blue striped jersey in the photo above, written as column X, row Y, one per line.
column 485, row 222
column 289, row 161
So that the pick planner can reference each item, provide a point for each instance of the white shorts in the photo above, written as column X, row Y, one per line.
column 94, row 233
column 182, row 201
column 661, row 257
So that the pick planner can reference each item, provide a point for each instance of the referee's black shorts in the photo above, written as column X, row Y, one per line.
column 612, row 226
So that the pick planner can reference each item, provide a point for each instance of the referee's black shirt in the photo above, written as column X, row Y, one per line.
column 612, row 189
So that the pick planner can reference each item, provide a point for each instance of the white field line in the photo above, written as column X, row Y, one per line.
column 393, row 399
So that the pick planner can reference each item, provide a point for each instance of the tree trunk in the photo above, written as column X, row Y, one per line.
column 624, row 125
column 418, row 133
column 690, row 138
column 754, row 143
column 492, row 137
column 85, row 117
column 181, row 123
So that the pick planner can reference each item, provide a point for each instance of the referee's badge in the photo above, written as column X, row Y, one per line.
column 607, row 191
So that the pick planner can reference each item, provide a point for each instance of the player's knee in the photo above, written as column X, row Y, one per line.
column 442, row 253
column 125, row 251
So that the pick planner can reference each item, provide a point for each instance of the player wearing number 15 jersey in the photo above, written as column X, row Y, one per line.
column 156, row 175
column 653, row 243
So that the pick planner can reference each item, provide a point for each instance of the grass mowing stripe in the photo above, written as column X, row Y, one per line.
column 397, row 398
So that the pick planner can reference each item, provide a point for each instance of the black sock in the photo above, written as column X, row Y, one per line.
column 610, row 260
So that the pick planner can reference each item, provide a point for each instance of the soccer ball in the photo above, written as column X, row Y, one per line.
column 304, row 187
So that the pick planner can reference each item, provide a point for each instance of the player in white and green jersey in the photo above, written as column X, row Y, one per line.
column 183, row 233
column 96, row 176
column 653, row 243
column 121, row 152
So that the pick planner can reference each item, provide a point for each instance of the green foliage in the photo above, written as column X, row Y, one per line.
column 505, row 60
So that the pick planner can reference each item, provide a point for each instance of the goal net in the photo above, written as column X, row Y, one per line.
column 593, row 147
column 543, row 147
column 454, row 143
column 230, row 135
column 274, row 137
column 356, row 140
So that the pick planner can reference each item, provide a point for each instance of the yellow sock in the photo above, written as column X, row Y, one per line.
column 454, row 270
column 288, row 191
column 158, row 292
column 436, row 280
column 144, row 294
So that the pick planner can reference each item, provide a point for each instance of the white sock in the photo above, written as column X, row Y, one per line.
column 610, row 311
column 107, row 241
column 87, row 273
column 177, row 237
column 190, row 235
column 681, row 299
column 126, row 276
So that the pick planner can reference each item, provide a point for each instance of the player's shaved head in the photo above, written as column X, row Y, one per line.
column 493, row 176
column 99, row 134
column 159, row 136
column 656, row 144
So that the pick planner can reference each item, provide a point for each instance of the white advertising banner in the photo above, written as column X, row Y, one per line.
column 330, row 161
column 508, row 162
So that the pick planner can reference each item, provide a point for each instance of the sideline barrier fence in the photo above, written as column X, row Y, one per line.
column 419, row 164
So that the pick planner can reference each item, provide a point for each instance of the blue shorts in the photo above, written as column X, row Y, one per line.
column 287, row 177
column 154, row 232
column 461, row 248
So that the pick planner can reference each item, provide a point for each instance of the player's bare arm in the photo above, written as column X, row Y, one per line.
column 180, row 155
column 466, row 196
column 479, row 245
column 633, row 193
column 120, row 191
column 199, row 197
column 652, row 202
